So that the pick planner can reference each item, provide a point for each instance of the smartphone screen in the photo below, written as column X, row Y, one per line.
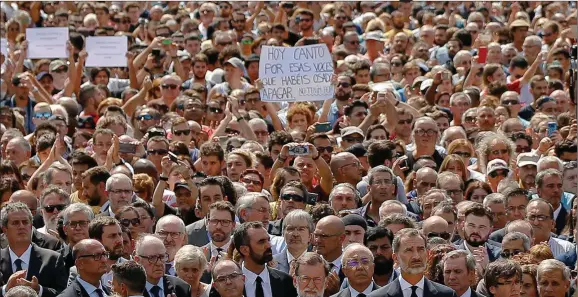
column 322, row 127
column 482, row 54
column 126, row 148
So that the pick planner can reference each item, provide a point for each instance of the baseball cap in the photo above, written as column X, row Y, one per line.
column 235, row 62
column 351, row 130
column 54, row 65
column 86, row 122
column 527, row 159
column 374, row 35
column 425, row 84
column 183, row 56
column 519, row 23
column 182, row 185
column 497, row 164
column 41, row 75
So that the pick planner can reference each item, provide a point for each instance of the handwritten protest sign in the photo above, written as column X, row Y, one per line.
column 47, row 42
column 106, row 51
column 4, row 47
column 300, row 73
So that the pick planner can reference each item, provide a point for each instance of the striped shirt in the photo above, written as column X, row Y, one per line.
column 559, row 246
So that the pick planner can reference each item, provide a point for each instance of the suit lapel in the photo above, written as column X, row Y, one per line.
column 429, row 288
column 80, row 291
column 168, row 286
column 274, row 279
column 395, row 290
column 35, row 262
column 561, row 220
column 5, row 264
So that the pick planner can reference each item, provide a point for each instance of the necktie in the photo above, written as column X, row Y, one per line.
column 413, row 291
column 259, row 287
column 361, row 295
column 155, row 290
column 18, row 264
column 99, row 292
column 219, row 251
column 168, row 267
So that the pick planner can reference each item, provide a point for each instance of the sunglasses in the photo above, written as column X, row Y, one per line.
column 215, row 110
column 172, row 87
column 293, row 197
column 182, row 132
column 253, row 182
column 353, row 139
column 146, row 117
column 510, row 254
column 396, row 64
column 510, row 102
column 344, row 84
column 42, row 115
column 51, row 208
column 322, row 149
column 463, row 154
column 157, row 152
column 127, row 222
column 495, row 174
column 401, row 122
column 444, row 235
column 232, row 131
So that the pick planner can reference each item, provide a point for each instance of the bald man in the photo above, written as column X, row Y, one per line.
column 435, row 226
column 42, row 240
column 346, row 168
column 90, row 261
column 425, row 179
column 358, row 267
column 328, row 239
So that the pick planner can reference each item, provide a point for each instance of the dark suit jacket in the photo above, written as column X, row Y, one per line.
column 281, row 283
column 561, row 220
column 43, row 265
column 171, row 285
column 393, row 289
column 66, row 260
column 77, row 290
column 347, row 293
column 476, row 294
column 493, row 250
column 207, row 278
column 197, row 233
column 498, row 235
column 40, row 239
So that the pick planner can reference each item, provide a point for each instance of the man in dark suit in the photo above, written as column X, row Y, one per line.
column 75, row 220
column 477, row 227
column 546, row 188
column 90, row 260
column 128, row 278
column 502, row 276
column 33, row 266
column 358, row 267
column 311, row 274
column 151, row 253
column 410, row 252
column 459, row 270
column 221, row 222
column 252, row 242
column 297, row 229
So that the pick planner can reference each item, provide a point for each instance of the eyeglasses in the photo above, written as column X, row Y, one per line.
column 510, row 102
column 506, row 254
column 293, row 197
column 164, row 234
column 253, row 100
column 226, row 278
column 42, row 115
column 146, row 117
column 51, row 208
column 498, row 152
column 353, row 139
column 470, row 119
column 540, row 218
column 463, row 154
column 422, row 132
column 76, row 224
column 157, row 152
column 495, row 174
column 232, row 131
column 172, row 87
column 127, row 222
column 95, row 257
column 444, row 235
column 224, row 223
column 121, row 191
column 215, row 110
column 250, row 181
column 182, row 132
column 322, row 149
column 353, row 263
column 155, row 258
column 261, row 133
column 344, row 84
column 305, row 280
column 401, row 122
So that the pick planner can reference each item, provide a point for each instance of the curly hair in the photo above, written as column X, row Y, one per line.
column 301, row 109
column 434, row 270
column 484, row 149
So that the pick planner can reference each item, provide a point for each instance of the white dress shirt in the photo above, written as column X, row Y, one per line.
column 467, row 293
column 290, row 257
column 337, row 263
column 406, row 287
column 251, row 282
column 149, row 286
column 559, row 246
column 224, row 248
column 89, row 288
column 367, row 290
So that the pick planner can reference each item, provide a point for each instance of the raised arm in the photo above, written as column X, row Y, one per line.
column 72, row 74
column 139, row 99
column 250, row 21
column 532, row 69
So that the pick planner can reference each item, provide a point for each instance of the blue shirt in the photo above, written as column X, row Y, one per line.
column 28, row 124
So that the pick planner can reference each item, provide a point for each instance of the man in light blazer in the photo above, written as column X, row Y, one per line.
column 297, row 229
column 410, row 251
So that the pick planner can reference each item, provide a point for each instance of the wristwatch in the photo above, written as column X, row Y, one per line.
column 163, row 178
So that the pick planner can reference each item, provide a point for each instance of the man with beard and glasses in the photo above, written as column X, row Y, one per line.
column 311, row 275
column 53, row 200
column 253, row 244
column 297, row 229
column 220, row 225
column 409, row 250
column 94, row 188
column 478, row 224
column 358, row 266
column 343, row 94
column 379, row 241
column 107, row 231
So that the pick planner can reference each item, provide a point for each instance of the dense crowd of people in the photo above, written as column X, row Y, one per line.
column 444, row 165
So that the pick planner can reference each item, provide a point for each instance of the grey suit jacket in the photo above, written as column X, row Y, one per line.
column 197, row 233
column 347, row 293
